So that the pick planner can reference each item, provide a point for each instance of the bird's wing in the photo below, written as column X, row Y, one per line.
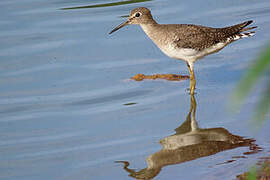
column 201, row 37
column 196, row 37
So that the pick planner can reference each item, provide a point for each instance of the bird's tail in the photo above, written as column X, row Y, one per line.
column 249, row 28
column 242, row 35
column 238, row 31
column 238, row 28
column 241, row 27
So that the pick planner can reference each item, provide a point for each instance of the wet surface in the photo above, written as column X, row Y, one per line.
column 68, row 109
column 189, row 143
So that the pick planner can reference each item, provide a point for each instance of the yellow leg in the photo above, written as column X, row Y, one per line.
column 192, row 80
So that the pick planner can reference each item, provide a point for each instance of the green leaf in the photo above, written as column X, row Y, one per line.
column 263, row 106
column 256, row 71
column 252, row 174
column 252, row 76
column 106, row 4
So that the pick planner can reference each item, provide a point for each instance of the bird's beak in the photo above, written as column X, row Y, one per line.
column 120, row 26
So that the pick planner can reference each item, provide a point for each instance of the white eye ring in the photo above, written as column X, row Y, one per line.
column 138, row 14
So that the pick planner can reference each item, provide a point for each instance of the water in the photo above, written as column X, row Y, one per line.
column 69, row 111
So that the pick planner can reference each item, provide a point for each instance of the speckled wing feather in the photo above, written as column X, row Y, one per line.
column 201, row 37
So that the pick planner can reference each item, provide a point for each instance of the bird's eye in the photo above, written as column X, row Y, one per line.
column 138, row 14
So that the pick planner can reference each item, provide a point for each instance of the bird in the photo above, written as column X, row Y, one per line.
column 187, row 42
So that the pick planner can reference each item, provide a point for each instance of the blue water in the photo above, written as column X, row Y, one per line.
column 64, row 82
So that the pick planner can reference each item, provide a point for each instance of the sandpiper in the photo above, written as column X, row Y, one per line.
column 186, row 42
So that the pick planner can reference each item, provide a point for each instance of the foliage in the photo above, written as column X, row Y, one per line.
column 260, row 67
column 106, row 4
column 259, row 171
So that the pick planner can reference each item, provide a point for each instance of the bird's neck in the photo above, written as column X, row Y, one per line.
column 149, row 28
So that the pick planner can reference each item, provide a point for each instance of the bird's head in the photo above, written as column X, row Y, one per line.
column 140, row 15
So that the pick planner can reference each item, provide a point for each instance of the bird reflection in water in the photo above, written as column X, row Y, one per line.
column 188, row 143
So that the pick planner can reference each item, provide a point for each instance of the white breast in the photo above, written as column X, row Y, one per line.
column 188, row 54
column 179, row 53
